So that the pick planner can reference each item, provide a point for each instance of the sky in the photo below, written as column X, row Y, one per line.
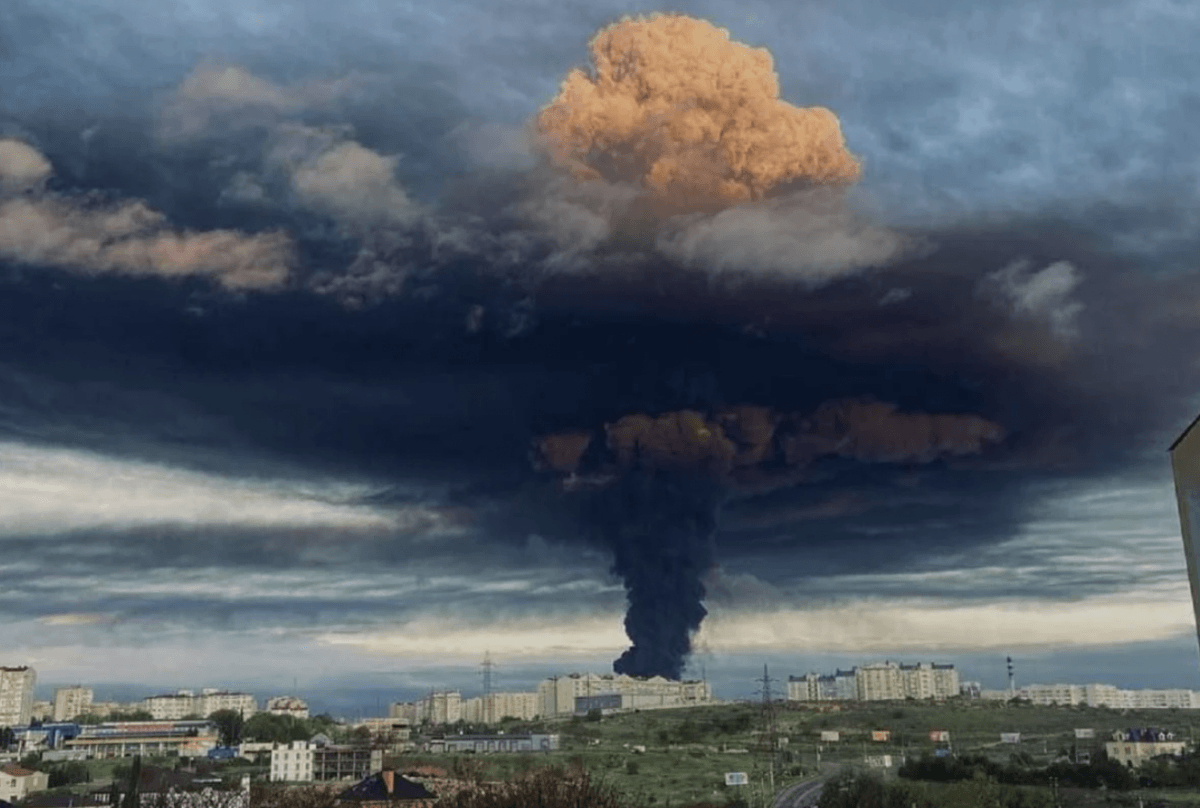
column 340, row 345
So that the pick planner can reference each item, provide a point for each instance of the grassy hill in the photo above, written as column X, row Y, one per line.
column 688, row 751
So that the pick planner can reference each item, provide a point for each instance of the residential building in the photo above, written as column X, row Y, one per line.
column 126, row 738
column 211, row 700
column 292, row 762
column 494, row 743
column 171, row 706
column 288, row 705
column 970, row 690
column 439, row 707
column 345, row 761
column 557, row 695
column 16, row 695
column 103, row 709
column 1099, row 695
column 42, row 711
column 71, row 701
column 1133, row 747
column 490, row 708
column 385, row 790
column 17, row 783
column 880, row 681
column 174, row 706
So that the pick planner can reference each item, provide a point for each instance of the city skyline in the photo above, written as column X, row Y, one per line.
column 330, row 348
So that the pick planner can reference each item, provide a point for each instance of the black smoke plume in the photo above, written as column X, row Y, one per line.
column 660, row 528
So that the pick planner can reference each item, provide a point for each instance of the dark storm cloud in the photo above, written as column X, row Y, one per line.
column 443, row 314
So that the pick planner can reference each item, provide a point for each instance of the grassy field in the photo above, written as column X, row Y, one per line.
column 688, row 751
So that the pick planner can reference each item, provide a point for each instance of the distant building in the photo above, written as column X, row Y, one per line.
column 305, row 761
column 174, row 706
column 494, row 743
column 492, row 707
column 879, row 681
column 292, row 763
column 557, row 695
column 127, row 738
column 71, row 701
column 16, row 695
column 17, row 783
column 288, row 705
column 970, row 690
column 42, row 711
column 1098, row 695
column 1133, row 747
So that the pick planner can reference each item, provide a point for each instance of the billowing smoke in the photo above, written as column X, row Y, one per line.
column 652, row 492
column 674, row 105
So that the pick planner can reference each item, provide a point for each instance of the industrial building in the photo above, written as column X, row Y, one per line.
column 16, row 695
column 126, row 738
column 494, row 743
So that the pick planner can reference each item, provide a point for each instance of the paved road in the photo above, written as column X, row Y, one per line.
column 803, row 794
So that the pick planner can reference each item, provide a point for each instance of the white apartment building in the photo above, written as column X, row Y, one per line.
column 439, row 707
column 71, row 701
column 288, row 705
column 174, row 706
column 16, row 695
column 42, row 711
column 557, row 695
column 211, row 699
column 292, row 762
column 489, row 709
column 1098, row 695
column 880, row 681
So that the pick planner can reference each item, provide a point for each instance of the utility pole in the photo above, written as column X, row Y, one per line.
column 768, row 707
column 489, row 706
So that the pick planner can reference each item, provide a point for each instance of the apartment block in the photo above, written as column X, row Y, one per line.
column 288, row 705
column 879, row 681
column 292, row 763
column 558, row 695
column 174, row 706
column 71, row 701
column 490, row 708
column 16, row 695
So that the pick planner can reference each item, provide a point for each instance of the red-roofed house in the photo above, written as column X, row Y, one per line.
column 17, row 783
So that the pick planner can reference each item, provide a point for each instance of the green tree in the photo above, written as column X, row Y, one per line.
column 133, row 794
column 229, row 725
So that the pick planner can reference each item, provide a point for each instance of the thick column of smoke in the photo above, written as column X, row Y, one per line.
column 660, row 527
column 653, row 492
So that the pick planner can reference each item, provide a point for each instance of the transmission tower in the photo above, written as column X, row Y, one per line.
column 769, row 739
column 1012, row 685
column 489, row 703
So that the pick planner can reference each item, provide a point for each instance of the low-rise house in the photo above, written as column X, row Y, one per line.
column 384, row 790
column 17, row 783
column 1133, row 747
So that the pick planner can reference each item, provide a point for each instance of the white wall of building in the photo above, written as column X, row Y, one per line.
column 16, row 695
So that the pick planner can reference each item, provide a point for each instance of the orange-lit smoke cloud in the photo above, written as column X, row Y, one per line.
column 673, row 104
column 753, row 445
